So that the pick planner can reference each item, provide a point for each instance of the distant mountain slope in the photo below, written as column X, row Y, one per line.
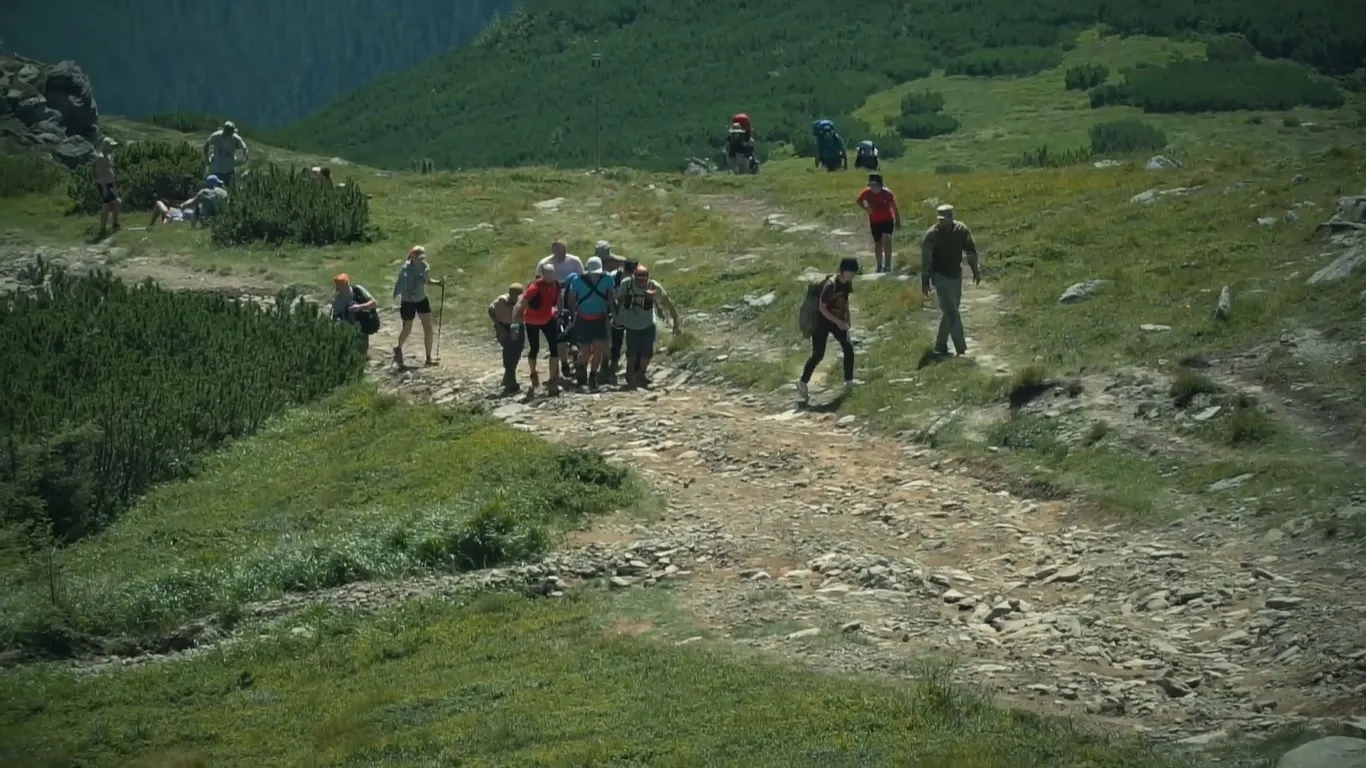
column 524, row 91
column 263, row 62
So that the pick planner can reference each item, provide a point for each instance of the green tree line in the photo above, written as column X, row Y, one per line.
column 258, row 61
column 672, row 73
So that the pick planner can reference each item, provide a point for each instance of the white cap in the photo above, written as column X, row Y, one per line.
column 945, row 211
column 594, row 266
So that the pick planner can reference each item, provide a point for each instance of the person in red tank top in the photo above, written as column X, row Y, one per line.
column 538, row 308
column 884, row 218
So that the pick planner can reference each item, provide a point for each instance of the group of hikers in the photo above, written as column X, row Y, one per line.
column 830, row 151
column 587, row 315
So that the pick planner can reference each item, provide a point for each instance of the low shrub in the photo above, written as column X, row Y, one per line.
column 1043, row 157
column 147, row 171
column 926, row 126
column 1086, row 77
column 1004, row 62
column 1196, row 85
column 922, row 103
column 188, row 122
column 28, row 174
column 274, row 205
column 110, row 388
column 1229, row 48
column 1127, row 135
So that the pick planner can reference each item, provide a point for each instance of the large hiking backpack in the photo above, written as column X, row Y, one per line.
column 368, row 320
column 806, row 319
column 867, row 149
column 822, row 126
column 743, row 120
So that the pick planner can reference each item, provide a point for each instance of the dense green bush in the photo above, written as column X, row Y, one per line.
column 147, row 171
column 922, row 103
column 27, row 174
column 188, row 122
column 1196, row 85
column 1004, row 62
column 889, row 146
column 1086, row 76
column 1229, row 48
column 110, row 388
column 277, row 205
column 926, row 126
column 1126, row 135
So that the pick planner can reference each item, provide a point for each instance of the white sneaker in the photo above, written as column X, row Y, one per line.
column 802, row 394
column 848, row 384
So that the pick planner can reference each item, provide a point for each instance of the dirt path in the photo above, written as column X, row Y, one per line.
column 826, row 544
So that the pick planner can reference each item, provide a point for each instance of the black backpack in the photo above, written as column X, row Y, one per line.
column 368, row 320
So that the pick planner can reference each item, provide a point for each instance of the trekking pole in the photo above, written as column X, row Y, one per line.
column 440, row 313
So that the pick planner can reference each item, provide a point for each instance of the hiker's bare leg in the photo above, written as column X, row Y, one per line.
column 887, row 251
column 116, row 206
column 104, row 217
column 599, row 354
column 877, row 251
column 428, row 334
column 403, row 332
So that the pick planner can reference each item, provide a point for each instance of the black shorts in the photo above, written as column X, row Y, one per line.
column 108, row 193
column 410, row 309
column 589, row 330
column 225, row 177
column 880, row 228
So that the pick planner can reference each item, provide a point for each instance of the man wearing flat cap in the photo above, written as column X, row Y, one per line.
column 941, row 270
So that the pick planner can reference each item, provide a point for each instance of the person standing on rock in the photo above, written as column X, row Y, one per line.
column 941, row 270
column 353, row 304
column 537, row 309
column 832, row 319
column 107, row 185
column 509, row 334
column 591, row 298
column 636, row 302
column 220, row 152
column 884, row 218
column 411, row 290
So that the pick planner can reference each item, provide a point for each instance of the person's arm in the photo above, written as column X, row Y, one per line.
column 896, row 211
column 398, row 283
column 664, row 301
column 208, row 147
column 863, row 199
column 493, row 310
column 242, row 145
column 970, row 249
column 926, row 256
column 368, row 304
column 519, row 309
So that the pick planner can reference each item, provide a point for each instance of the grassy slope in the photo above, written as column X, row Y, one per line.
column 359, row 487
column 507, row 682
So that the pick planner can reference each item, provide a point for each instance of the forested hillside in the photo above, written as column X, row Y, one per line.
column 262, row 62
column 672, row 73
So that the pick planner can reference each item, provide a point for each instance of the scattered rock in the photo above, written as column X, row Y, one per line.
column 1161, row 163
column 551, row 205
column 1329, row 752
column 1266, row 221
column 1154, row 328
column 1081, row 291
column 1153, row 195
column 1224, row 305
column 1341, row 268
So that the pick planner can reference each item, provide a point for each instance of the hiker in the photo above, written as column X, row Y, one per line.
column 411, row 291
column 564, row 262
column 636, row 302
column 509, row 334
column 832, row 319
column 884, row 218
column 107, row 185
column 220, row 152
column 830, row 151
column 620, row 277
column 941, row 270
column 353, row 304
column 866, row 156
column 590, row 297
column 740, row 150
column 205, row 204
column 537, row 310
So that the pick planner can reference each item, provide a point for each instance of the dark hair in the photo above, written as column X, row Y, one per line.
column 849, row 264
column 874, row 178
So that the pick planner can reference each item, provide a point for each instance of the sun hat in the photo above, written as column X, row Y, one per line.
column 945, row 211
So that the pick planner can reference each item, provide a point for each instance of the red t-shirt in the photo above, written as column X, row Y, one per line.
column 541, row 298
column 881, row 205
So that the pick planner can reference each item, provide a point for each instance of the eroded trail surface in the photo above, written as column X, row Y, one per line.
column 801, row 533
column 818, row 541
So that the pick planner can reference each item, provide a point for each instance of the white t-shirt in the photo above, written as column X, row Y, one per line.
column 570, row 266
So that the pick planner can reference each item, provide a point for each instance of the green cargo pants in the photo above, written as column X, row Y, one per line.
column 950, row 292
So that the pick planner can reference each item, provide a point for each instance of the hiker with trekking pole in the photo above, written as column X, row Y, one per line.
column 411, row 290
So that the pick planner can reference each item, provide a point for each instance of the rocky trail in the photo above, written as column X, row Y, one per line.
column 803, row 533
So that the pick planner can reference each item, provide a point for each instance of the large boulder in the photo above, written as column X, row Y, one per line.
column 68, row 91
column 74, row 152
column 31, row 110
column 1330, row 752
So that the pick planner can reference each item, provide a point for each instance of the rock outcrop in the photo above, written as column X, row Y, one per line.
column 54, row 107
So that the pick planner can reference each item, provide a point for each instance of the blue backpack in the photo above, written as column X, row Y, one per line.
column 822, row 126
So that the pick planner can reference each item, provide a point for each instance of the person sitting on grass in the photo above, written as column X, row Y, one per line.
column 203, row 206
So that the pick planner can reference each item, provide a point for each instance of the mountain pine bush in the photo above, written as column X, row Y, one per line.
column 27, row 174
column 1086, row 77
column 147, row 171
column 110, row 388
column 276, row 205
column 1126, row 135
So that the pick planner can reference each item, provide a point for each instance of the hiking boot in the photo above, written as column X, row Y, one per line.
column 941, row 353
column 593, row 382
column 608, row 377
column 849, row 385
column 429, row 363
column 398, row 356
column 803, row 394
column 581, row 378
column 511, row 388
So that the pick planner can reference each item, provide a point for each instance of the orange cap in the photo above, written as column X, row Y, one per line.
column 340, row 279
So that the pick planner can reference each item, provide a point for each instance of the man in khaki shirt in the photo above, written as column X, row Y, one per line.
column 220, row 152
column 941, row 270
column 107, row 185
column 508, row 333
